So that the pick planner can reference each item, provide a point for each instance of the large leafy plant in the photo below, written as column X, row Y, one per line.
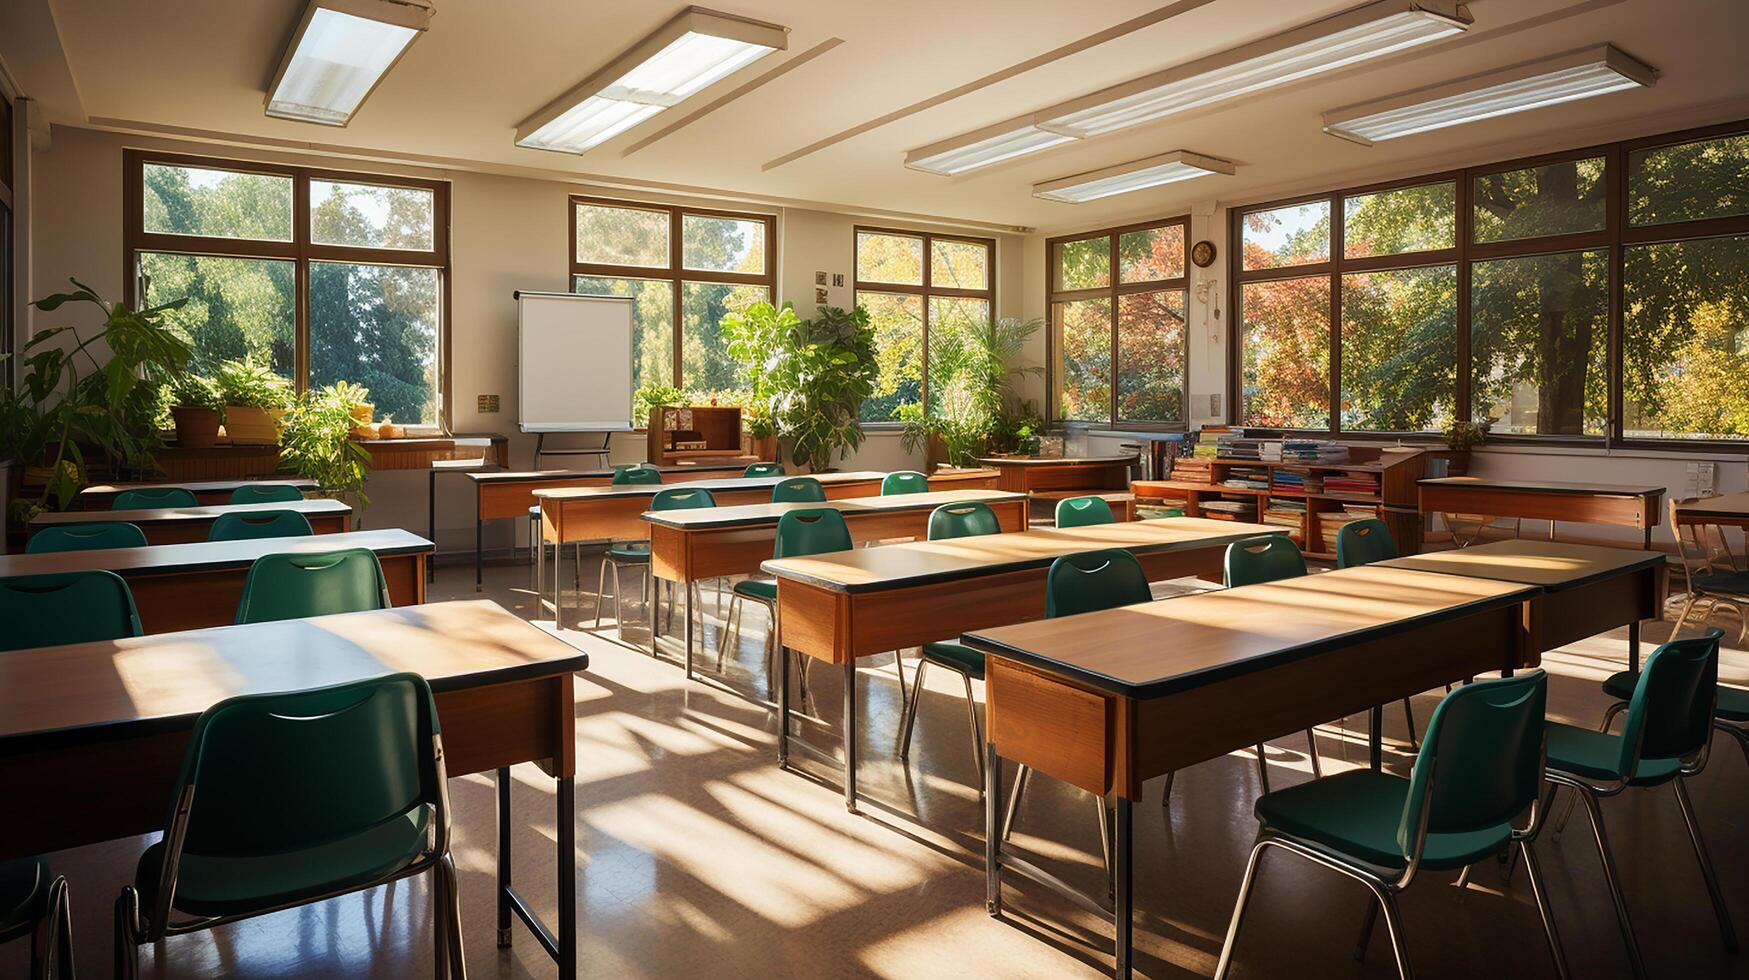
column 316, row 442
column 754, row 337
column 251, row 384
column 819, row 375
column 972, row 405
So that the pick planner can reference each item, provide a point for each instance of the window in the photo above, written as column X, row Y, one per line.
column 351, row 289
column 6, row 328
column 1117, row 302
column 1686, row 339
column 685, row 270
column 922, row 291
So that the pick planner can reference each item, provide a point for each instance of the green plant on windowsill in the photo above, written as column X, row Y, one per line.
column 316, row 443
column 251, row 384
column 651, row 396
column 1460, row 434
column 819, row 375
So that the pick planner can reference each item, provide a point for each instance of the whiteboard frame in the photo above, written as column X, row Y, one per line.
column 522, row 380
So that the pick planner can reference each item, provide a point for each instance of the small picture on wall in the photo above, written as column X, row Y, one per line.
column 837, row 278
column 819, row 279
column 820, row 296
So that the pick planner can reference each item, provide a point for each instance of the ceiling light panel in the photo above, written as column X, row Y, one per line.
column 1167, row 168
column 340, row 51
column 1551, row 81
column 1003, row 141
column 695, row 50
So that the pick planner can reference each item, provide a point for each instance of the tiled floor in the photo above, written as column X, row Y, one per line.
column 698, row 858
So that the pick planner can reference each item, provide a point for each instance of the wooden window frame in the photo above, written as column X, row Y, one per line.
column 301, row 250
column 1613, row 238
column 927, row 290
column 1112, row 291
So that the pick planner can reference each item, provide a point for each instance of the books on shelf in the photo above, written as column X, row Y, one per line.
column 1193, row 469
column 1291, row 479
column 1230, row 510
column 1313, row 451
column 1247, row 478
column 1353, row 482
column 1286, row 513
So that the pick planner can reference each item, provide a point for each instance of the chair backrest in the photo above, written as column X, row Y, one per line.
column 147, row 498
column 1694, row 549
column 265, row 493
column 1671, row 713
column 1364, row 542
column 814, row 531
column 313, row 584
column 1265, row 558
column 1481, row 759
column 763, row 469
column 86, row 537
column 1092, row 580
column 69, row 607
column 798, row 490
column 636, row 476
column 1084, row 512
column 972, row 518
column 260, row 524
column 682, row 498
column 904, row 481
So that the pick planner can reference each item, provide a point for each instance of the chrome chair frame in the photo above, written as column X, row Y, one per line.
column 51, row 935
column 908, row 723
column 730, row 638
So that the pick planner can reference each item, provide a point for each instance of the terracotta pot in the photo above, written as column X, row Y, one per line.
column 196, row 428
column 248, row 426
column 763, row 448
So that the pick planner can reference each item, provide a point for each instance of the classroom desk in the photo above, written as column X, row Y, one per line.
column 849, row 604
column 197, row 585
column 1107, row 700
column 206, row 492
column 1729, row 510
column 957, row 478
column 687, row 546
column 97, row 731
column 1585, row 503
column 180, row 525
column 1055, row 477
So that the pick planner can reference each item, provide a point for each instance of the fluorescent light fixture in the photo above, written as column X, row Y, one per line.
column 991, row 144
column 1551, row 81
column 683, row 57
column 1167, row 168
column 340, row 51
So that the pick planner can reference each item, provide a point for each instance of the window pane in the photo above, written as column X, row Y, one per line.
column 237, row 309
column 217, row 203
column 1685, row 333
column 959, row 265
column 722, row 244
column 1295, row 235
column 889, row 258
column 371, row 215
column 1083, row 347
column 622, row 236
column 897, row 319
column 1399, row 349
column 1413, row 219
column 652, row 325
column 1286, row 337
column 705, row 365
column 1557, row 199
column 1150, row 356
column 1151, row 254
column 1690, row 181
column 1539, row 341
column 376, row 325
column 1085, row 264
column 959, row 371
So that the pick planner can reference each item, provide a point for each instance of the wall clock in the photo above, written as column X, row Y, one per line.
column 1203, row 253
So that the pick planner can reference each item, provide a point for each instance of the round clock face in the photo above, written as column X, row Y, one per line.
column 1203, row 253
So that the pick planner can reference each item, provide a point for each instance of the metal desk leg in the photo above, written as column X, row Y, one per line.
column 479, row 551
column 850, row 734
column 1123, row 894
column 687, row 586
column 1634, row 647
column 1376, row 738
column 504, row 858
column 558, row 586
column 567, row 816
column 431, row 521
column 782, row 698
column 992, row 830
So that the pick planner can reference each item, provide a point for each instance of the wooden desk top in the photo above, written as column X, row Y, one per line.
column 319, row 506
column 1551, row 565
column 539, row 476
column 199, row 486
column 923, row 562
column 207, row 555
column 160, row 683
column 1732, row 505
column 1173, row 645
column 738, row 483
column 1543, row 486
column 755, row 514
column 1058, row 460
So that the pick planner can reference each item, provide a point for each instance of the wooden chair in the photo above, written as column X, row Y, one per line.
column 1702, row 579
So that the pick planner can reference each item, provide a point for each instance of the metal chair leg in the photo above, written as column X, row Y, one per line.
column 1409, row 715
column 1312, row 750
column 619, row 588
column 1166, row 794
column 723, row 634
column 1262, row 768
column 1394, row 926
column 977, row 730
column 600, row 592
column 440, row 961
column 1226, row 963
column 1022, row 776
column 1366, row 925
column 127, row 937
column 1595, row 812
column 908, row 721
column 1726, row 931
column 1560, row 821
column 1540, row 892
column 1104, row 839
column 899, row 665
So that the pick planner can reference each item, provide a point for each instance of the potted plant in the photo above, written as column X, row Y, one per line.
column 819, row 375
column 254, row 399
column 317, row 443
column 753, row 337
column 761, row 432
column 651, row 397
column 197, row 409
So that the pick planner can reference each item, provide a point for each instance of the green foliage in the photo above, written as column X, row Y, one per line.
column 315, row 441
column 1017, row 428
column 250, row 384
column 190, row 390
column 970, row 387
column 1462, row 435
column 753, row 337
column 819, row 376
column 654, row 396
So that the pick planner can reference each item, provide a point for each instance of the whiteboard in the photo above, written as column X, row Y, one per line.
column 574, row 362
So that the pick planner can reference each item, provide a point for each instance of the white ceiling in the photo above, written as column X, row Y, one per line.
column 455, row 99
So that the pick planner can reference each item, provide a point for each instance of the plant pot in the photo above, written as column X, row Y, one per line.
column 764, row 447
column 196, row 428
column 249, row 426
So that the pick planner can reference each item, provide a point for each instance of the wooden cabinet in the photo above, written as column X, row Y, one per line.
column 696, row 433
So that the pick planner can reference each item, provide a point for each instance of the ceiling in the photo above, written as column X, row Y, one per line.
column 455, row 99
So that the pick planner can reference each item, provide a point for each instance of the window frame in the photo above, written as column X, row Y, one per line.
column 1613, row 238
column 926, row 291
column 1112, row 291
column 301, row 249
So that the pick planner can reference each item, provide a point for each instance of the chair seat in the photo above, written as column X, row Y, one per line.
column 1593, row 754
column 208, row 885
column 24, row 885
column 763, row 590
column 955, row 657
column 1355, row 814
column 633, row 552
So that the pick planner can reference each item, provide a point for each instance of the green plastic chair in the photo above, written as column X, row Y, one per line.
column 812, row 531
column 1265, row 558
column 318, row 583
column 798, row 490
column 85, row 537
column 302, row 796
column 1084, row 512
column 33, row 902
column 636, row 554
column 636, row 476
column 1479, row 769
column 148, row 498
column 763, row 469
column 260, row 524
column 904, row 481
column 266, row 493
column 970, row 519
column 1364, row 542
column 1665, row 738
column 67, row 607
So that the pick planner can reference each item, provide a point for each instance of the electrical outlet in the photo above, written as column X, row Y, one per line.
column 487, row 405
column 1215, row 405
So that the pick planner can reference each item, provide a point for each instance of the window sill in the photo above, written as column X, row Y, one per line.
column 1694, row 455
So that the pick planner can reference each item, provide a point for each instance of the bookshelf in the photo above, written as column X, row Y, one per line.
column 695, row 433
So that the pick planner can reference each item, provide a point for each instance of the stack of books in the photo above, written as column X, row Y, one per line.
column 1236, row 447
column 1359, row 483
column 1193, row 469
column 1313, row 451
column 1291, row 479
column 1231, row 510
column 1286, row 513
column 1247, row 478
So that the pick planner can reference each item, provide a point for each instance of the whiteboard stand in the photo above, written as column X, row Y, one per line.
column 540, row 449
